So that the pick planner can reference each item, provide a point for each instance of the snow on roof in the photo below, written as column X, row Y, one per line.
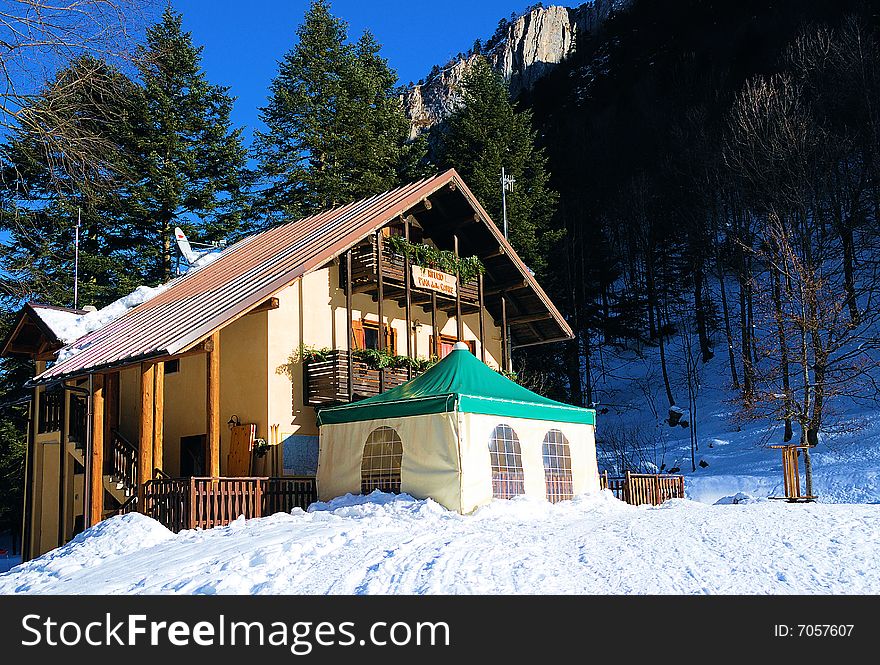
column 72, row 329
column 59, row 321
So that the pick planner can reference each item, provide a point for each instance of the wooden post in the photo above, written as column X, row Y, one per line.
column 111, row 410
column 627, row 488
column 30, row 451
column 505, row 342
column 145, row 433
column 435, row 350
column 62, row 475
column 407, row 280
column 459, row 327
column 349, row 323
column 159, row 417
column 96, row 477
column 381, row 297
column 482, row 318
column 212, row 407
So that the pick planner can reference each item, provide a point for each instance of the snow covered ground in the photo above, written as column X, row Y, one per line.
column 846, row 464
column 384, row 544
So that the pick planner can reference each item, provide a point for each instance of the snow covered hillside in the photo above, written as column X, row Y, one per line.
column 846, row 464
column 385, row 544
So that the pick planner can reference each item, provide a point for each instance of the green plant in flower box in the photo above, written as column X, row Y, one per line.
column 428, row 256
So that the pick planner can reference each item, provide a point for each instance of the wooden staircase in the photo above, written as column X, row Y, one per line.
column 121, row 473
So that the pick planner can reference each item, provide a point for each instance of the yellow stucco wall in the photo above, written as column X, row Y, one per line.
column 324, row 325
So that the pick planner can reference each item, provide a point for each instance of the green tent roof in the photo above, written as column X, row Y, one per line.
column 458, row 382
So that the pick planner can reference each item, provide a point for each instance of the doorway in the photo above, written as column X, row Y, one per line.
column 193, row 455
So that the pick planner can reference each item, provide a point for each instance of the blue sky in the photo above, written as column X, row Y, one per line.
column 243, row 41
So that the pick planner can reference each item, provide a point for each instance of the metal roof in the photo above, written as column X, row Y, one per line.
column 247, row 273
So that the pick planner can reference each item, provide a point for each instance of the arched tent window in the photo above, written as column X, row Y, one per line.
column 557, row 466
column 383, row 454
column 507, row 471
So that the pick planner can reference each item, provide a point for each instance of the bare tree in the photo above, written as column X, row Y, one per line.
column 805, row 175
column 39, row 38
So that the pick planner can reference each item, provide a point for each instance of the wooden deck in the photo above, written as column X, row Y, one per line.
column 203, row 503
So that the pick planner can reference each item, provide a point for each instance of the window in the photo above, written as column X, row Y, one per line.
column 446, row 344
column 557, row 466
column 507, row 471
column 172, row 366
column 383, row 454
column 366, row 336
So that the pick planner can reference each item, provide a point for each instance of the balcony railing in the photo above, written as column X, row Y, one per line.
column 365, row 275
column 326, row 381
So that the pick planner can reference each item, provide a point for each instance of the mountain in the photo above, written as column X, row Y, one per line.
column 523, row 51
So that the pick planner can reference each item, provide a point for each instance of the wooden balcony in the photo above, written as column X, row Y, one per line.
column 365, row 278
column 326, row 381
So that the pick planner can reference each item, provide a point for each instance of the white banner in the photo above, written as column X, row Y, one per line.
column 434, row 280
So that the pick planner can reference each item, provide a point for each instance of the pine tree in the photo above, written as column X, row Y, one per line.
column 192, row 162
column 486, row 133
column 44, row 194
column 336, row 130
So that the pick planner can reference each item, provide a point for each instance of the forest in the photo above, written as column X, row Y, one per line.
column 699, row 170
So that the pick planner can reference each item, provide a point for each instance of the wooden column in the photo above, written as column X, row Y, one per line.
column 62, row 467
column 212, row 407
column 96, row 475
column 505, row 342
column 381, row 297
column 435, row 347
column 111, row 406
column 459, row 326
column 145, row 432
column 482, row 318
column 159, row 416
column 407, row 279
column 348, row 323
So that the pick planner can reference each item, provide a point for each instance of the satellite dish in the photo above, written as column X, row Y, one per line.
column 194, row 258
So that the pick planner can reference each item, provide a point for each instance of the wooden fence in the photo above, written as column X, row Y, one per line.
column 639, row 488
column 203, row 503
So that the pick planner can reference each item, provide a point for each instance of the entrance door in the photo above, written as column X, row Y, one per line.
column 192, row 455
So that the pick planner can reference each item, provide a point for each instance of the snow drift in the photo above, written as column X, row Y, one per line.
column 384, row 544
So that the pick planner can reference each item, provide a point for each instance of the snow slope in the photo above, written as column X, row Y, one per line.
column 384, row 544
column 846, row 464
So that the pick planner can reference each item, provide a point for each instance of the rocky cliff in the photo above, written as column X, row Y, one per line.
column 522, row 52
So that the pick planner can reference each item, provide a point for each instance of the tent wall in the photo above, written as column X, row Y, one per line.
column 430, row 465
column 477, row 429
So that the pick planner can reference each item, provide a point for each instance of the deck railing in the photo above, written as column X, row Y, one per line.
column 203, row 503
column 641, row 488
column 364, row 272
column 123, row 463
column 326, row 381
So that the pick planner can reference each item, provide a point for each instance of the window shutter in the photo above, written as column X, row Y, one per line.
column 390, row 340
column 357, row 330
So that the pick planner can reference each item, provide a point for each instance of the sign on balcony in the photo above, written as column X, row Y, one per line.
column 434, row 280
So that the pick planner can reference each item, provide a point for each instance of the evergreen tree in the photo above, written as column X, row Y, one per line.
column 486, row 133
column 336, row 130
column 192, row 163
column 44, row 194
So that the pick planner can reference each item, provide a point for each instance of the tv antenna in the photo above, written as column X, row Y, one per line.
column 76, row 259
column 507, row 182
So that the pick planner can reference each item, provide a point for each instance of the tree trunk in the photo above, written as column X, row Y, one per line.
column 663, row 360
column 728, row 329
column 783, row 352
column 700, row 314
